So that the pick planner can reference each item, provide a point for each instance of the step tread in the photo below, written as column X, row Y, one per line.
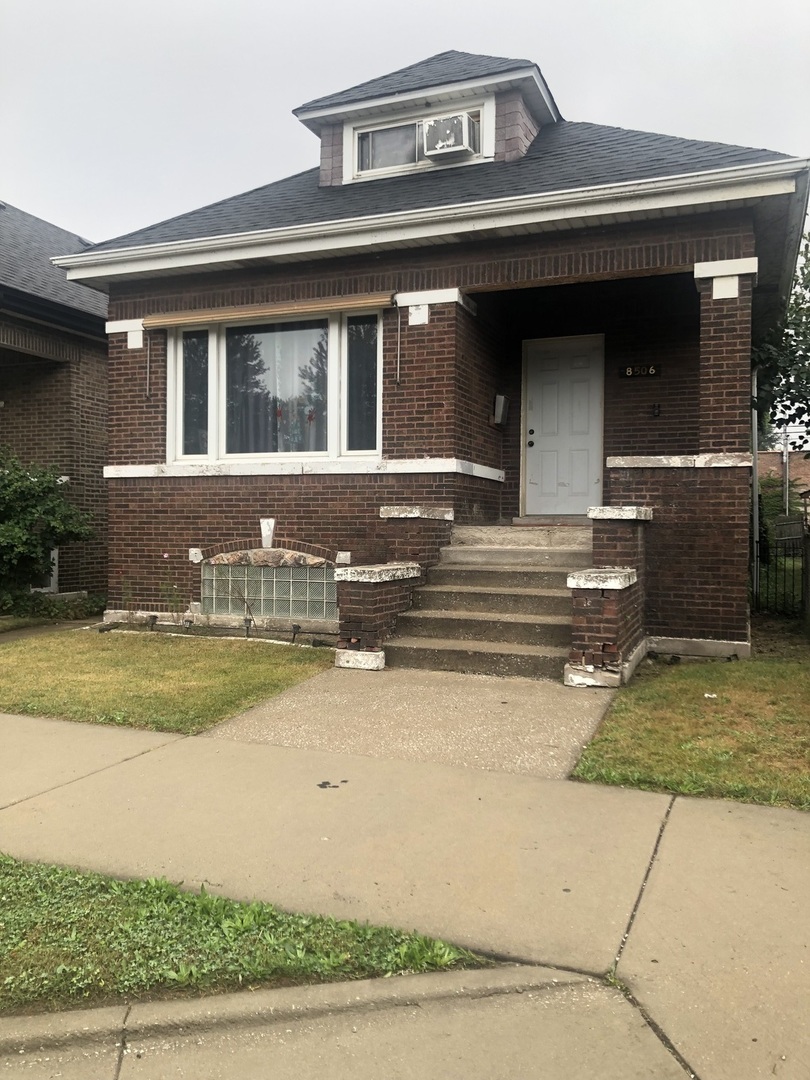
column 488, row 590
column 486, row 616
column 472, row 646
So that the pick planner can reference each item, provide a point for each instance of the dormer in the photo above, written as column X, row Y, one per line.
column 454, row 109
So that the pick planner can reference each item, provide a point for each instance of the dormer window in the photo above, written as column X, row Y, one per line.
column 389, row 147
column 457, row 137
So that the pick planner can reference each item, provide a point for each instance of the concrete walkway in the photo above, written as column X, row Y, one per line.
column 703, row 904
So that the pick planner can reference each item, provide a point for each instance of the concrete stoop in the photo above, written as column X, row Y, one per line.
column 497, row 603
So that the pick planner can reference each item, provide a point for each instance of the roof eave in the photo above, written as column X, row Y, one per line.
column 465, row 220
column 535, row 88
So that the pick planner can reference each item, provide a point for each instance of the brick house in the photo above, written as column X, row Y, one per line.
column 53, row 379
column 478, row 342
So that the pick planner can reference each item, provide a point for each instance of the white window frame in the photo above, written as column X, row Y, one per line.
column 337, row 392
column 352, row 131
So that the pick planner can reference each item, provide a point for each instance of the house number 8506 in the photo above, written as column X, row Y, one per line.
column 632, row 370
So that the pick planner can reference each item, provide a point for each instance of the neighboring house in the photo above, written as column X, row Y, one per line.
column 473, row 312
column 53, row 380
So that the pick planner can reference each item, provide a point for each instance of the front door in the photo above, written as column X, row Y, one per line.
column 562, row 424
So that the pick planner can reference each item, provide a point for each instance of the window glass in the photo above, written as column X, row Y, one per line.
column 386, row 148
column 195, row 392
column 361, row 406
column 276, row 386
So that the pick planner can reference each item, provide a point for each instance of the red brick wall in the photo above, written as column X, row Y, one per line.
column 596, row 254
column 697, row 548
column 55, row 415
column 369, row 609
column 607, row 625
column 725, row 371
column 150, row 517
column 449, row 370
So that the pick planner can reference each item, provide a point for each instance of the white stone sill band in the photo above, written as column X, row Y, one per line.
column 682, row 461
column 310, row 467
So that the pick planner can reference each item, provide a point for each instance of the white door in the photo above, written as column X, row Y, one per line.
column 562, row 424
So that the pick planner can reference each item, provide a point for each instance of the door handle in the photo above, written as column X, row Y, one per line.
column 530, row 442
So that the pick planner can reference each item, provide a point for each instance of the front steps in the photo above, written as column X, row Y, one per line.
column 496, row 603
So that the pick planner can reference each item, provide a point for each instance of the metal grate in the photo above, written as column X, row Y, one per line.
column 305, row 592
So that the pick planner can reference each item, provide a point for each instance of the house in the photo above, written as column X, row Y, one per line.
column 53, row 380
column 476, row 335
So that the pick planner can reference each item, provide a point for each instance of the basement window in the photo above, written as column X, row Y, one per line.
column 303, row 592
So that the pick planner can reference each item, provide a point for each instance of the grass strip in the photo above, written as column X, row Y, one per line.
column 71, row 939
column 159, row 682
column 728, row 730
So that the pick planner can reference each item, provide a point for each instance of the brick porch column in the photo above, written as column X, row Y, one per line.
column 725, row 354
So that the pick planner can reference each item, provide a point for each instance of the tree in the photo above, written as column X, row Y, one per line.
column 35, row 517
column 783, row 359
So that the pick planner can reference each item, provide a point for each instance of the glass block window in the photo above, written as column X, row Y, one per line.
column 303, row 592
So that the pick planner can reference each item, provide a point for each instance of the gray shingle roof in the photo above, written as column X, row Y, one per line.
column 446, row 67
column 26, row 246
column 565, row 156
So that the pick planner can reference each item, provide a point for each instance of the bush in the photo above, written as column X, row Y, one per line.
column 35, row 517
column 42, row 606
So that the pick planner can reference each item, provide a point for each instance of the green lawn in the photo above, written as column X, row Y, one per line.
column 69, row 939
column 738, row 730
column 156, row 681
column 20, row 622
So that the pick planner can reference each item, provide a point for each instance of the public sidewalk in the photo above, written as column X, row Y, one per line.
column 705, row 903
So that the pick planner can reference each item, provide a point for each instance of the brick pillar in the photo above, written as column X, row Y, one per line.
column 725, row 360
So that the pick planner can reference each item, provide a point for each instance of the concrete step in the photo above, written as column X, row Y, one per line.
column 519, row 600
column 477, row 657
column 537, row 536
column 497, row 577
column 476, row 555
column 491, row 626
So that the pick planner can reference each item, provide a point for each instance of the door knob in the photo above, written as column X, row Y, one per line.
column 530, row 442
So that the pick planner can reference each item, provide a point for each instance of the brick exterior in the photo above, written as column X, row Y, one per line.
column 632, row 284
column 368, row 610
column 607, row 625
column 515, row 127
column 331, row 172
column 55, row 414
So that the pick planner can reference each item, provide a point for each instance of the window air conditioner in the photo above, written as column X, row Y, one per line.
column 456, row 134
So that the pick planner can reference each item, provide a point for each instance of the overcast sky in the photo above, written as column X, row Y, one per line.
column 115, row 114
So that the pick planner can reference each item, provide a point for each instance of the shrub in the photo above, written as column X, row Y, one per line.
column 35, row 517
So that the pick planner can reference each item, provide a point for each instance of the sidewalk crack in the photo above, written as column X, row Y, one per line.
column 93, row 772
column 122, row 1046
column 645, row 879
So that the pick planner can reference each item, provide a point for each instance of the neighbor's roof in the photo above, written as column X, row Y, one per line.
column 565, row 156
column 26, row 246
column 443, row 68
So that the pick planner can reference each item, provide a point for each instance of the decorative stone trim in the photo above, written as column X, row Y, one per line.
column 380, row 572
column 698, row 647
column 435, row 296
column 311, row 467
column 610, row 578
column 726, row 268
column 620, row 513
column 681, row 461
column 359, row 659
column 438, row 513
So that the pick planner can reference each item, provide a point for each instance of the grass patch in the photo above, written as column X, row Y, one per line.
column 750, row 741
column 155, row 681
column 71, row 939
